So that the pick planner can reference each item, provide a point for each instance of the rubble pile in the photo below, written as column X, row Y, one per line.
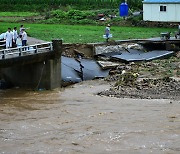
column 118, row 48
column 164, row 88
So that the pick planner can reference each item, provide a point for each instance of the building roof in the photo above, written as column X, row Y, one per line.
column 162, row 1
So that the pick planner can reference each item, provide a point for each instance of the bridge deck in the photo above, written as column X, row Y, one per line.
column 25, row 50
column 26, row 54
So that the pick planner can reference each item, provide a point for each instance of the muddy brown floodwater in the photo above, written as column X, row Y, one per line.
column 76, row 120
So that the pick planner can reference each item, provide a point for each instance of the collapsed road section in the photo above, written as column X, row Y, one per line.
column 82, row 62
column 77, row 70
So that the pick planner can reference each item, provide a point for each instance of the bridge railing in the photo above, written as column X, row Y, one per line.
column 25, row 50
column 2, row 43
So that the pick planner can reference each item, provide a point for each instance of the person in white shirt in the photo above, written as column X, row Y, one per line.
column 21, row 30
column 24, row 37
column 15, row 34
column 9, row 38
column 179, row 28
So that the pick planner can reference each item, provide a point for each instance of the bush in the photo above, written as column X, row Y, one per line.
column 73, row 14
column 51, row 21
column 76, row 14
column 135, row 20
column 59, row 14
column 87, row 21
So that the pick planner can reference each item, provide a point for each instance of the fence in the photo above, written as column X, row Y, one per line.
column 25, row 50
column 2, row 44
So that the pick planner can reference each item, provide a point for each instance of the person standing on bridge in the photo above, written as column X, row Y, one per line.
column 21, row 30
column 24, row 37
column 15, row 34
column 9, row 38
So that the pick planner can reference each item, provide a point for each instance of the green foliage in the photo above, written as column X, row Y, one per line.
column 40, row 5
column 135, row 19
column 71, row 17
column 79, row 15
column 72, row 14
column 76, row 14
column 59, row 14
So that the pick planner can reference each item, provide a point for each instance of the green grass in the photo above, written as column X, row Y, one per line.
column 84, row 34
column 18, row 14
column 11, row 19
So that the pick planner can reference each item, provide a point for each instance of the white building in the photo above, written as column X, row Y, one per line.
column 161, row 10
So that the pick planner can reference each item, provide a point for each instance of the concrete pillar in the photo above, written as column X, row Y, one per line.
column 52, row 73
column 51, row 77
column 168, row 46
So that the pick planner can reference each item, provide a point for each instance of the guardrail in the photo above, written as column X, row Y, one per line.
column 2, row 43
column 25, row 50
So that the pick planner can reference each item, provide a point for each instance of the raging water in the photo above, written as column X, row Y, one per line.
column 75, row 120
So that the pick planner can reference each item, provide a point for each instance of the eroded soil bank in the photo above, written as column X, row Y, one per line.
column 165, row 88
column 76, row 120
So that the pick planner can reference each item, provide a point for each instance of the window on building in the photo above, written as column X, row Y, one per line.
column 162, row 8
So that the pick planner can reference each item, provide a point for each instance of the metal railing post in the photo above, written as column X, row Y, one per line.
column 20, row 51
column 36, row 51
column 4, row 56
column 51, row 47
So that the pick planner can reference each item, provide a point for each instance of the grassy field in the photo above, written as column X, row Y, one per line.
column 84, row 34
column 18, row 14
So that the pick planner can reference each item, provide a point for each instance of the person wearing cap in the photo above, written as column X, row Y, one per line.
column 24, row 37
column 21, row 30
column 107, row 32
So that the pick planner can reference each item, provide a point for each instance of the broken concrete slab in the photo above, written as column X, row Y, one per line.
column 91, row 70
column 117, row 48
column 69, row 70
column 127, row 51
column 77, row 70
column 145, row 56
column 107, row 64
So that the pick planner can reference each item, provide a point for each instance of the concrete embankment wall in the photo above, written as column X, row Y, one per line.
column 88, row 49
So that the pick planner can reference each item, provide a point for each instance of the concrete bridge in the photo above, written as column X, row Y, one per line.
column 35, row 66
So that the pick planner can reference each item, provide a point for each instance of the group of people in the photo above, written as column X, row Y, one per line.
column 13, row 38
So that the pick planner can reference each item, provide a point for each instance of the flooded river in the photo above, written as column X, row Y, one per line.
column 76, row 120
